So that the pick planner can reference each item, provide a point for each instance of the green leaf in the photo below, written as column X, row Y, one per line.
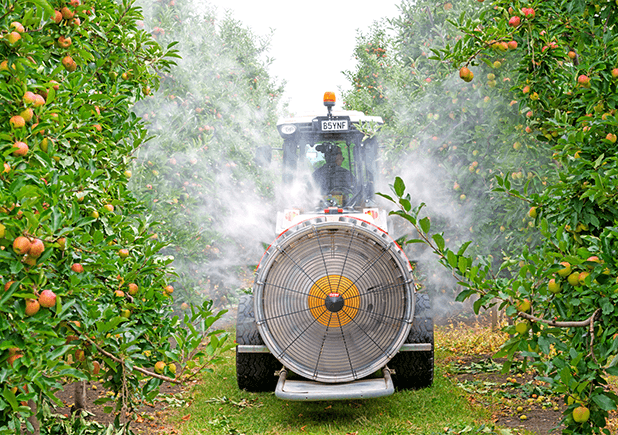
column 399, row 187
column 439, row 239
column 425, row 224
column 604, row 402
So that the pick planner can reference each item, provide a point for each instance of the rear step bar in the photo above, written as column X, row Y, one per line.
column 308, row 390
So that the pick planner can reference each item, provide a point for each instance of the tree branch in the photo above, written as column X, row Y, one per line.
column 569, row 324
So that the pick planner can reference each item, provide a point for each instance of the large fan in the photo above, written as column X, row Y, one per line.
column 334, row 300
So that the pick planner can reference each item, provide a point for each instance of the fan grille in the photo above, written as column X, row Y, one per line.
column 334, row 300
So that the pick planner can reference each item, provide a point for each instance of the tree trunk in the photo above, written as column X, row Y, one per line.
column 80, row 396
column 33, row 419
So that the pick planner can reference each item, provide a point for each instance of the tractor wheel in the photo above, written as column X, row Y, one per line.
column 254, row 371
column 414, row 370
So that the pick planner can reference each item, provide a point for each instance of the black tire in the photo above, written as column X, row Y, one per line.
column 254, row 371
column 414, row 370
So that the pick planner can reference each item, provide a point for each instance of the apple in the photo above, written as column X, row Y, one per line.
column 109, row 207
column 126, row 313
column 2, row 230
column 515, row 21
column 27, row 114
column 21, row 148
column 32, row 307
column 39, row 100
column 159, row 367
column 17, row 26
column 123, row 253
column 172, row 367
column 21, row 245
column 581, row 414
column 77, row 268
column 168, row 290
column 12, row 358
column 184, row 306
column 465, row 74
column 57, row 16
column 566, row 269
column 67, row 13
column 512, row 45
column 64, row 42
column 528, row 12
column 532, row 212
column 96, row 367
column 17, row 121
column 582, row 277
column 36, row 248
column 69, row 64
column 584, row 81
column 524, row 305
column 119, row 293
column 128, row 174
column 29, row 97
column 62, row 242
column 94, row 214
column 573, row 279
column 13, row 37
column 611, row 137
column 553, row 286
column 133, row 289
column 80, row 355
column 522, row 327
column 47, row 299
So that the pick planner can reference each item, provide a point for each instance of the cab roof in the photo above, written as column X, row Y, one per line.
column 307, row 118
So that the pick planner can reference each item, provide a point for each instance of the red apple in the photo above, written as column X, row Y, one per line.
column 21, row 148
column 32, row 307
column 57, row 17
column 11, row 359
column 123, row 253
column 133, row 289
column 21, row 245
column 36, row 248
column 512, row 45
column 615, row 73
column 584, row 81
column 13, row 37
column 515, row 21
column 18, row 26
column 17, row 121
column 67, row 13
column 64, row 42
column 466, row 74
column 77, row 268
column 29, row 97
column 69, row 64
column 27, row 114
column 47, row 299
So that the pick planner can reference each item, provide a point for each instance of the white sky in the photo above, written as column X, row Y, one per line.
column 313, row 41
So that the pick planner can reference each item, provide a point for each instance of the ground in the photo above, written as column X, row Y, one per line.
column 517, row 400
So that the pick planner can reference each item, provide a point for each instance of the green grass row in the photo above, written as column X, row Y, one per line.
column 219, row 407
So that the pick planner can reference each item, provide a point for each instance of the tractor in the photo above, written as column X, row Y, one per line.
column 335, row 312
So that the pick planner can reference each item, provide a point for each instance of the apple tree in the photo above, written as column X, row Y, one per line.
column 563, row 289
column 198, row 175
column 86, row 294
column 465, row 132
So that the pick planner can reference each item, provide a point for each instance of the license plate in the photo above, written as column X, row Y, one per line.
column 334, row 125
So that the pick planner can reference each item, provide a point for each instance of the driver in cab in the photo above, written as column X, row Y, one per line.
column 331, row 177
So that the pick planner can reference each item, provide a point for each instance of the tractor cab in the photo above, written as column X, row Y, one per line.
column 332, row 157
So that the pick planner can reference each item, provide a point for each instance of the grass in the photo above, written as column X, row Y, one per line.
column 219, row 407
